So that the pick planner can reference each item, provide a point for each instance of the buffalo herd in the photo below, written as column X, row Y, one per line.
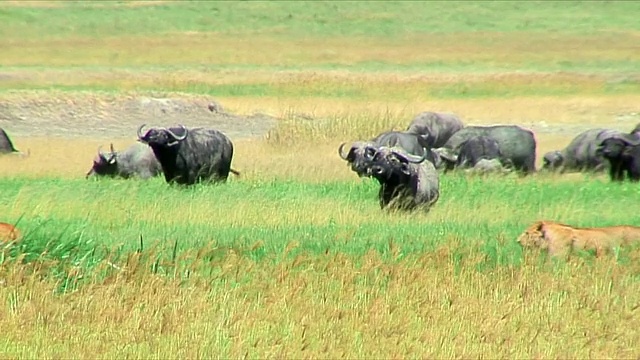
column 407, row 164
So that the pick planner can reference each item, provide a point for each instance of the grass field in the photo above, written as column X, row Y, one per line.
column 295, row 259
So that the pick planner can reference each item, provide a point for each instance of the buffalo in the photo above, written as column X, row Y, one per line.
column 361, row 152
column 436, row 128
column 517, row 145
column 188, row 156
column 477, row 148
column 6, row 146
column 136, row 160
column 407, row 182
column 622, row 153
column 581, row 154
column 485, row 166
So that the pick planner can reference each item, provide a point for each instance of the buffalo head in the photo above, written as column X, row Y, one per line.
column 446, row 158
column 359, row 156
column 104, row 163
column 388, row 162
column 613, row 147
column 161, row 137
column 552, row 160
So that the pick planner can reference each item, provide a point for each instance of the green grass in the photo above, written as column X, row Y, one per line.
column 338, row 217
column 335, row 90
column 317, row 18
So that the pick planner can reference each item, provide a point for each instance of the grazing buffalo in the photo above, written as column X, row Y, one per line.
column 189, row 156
column 137, row 160
column 622, row 153
column 6, row 146
column 581, row 154
column 475, row 149
column 435, row 128
column 517, row 145
column 361, row 152
column 406, row 181
column 485, row 166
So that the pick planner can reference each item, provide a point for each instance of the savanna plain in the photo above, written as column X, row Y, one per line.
column 294, row 258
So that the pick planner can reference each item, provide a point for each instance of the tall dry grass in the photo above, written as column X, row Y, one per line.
column 434, row 305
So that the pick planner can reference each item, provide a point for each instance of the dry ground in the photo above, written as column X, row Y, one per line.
column 63, row 130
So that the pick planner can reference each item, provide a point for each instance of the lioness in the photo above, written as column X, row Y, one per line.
column 8, row 232
column 561, row 239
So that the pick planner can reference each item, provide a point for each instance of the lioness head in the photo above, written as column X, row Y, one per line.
column 534, row 236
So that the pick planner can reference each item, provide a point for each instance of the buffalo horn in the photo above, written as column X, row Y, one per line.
column 628, row 139
column 342, row 155
column 412, row 158
column 140, row 131
column 632, row 142
column 100, row 152
column 178, row 138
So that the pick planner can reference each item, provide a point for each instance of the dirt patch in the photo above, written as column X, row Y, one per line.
column 113, row 116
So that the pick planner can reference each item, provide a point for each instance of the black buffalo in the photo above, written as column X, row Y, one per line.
column 137, row 160
column 517, row 145
column 621, row 151
column 581, row 154
column 189, row 156
column 436, row 128
column 6, row 146
column 487, row 166
column 478, row 148
column 407, row 182
column 361, row 152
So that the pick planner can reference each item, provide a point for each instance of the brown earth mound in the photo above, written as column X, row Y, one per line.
column 119, row 116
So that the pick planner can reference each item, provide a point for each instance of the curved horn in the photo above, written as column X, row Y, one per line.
column 627, row 139
column 342, row 155
column 632, row 142
column 140, row 131
column 100, row 152
column 412, row 158
column 179, row 138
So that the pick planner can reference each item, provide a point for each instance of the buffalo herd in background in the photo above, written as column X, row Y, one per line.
column 407, row 164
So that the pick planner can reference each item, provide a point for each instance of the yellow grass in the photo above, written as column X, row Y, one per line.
column 328, row 307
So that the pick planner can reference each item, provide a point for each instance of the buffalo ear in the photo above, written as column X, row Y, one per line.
column 404, row 167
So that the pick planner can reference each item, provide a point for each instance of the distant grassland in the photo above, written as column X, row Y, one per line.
column 289, row 49
column 295, row 259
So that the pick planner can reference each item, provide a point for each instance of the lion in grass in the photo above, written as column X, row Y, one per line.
column 561, row 239
column 8, row 233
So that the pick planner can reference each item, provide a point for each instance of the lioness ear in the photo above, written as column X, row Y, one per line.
column 541, row 227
